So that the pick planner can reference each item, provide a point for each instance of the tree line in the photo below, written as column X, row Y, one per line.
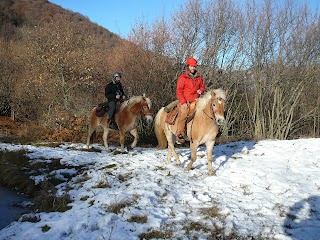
column 264, row 53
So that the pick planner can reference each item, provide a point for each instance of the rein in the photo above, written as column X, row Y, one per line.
column 212, row 112
column 140, row 111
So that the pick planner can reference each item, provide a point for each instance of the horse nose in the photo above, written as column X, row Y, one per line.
column 220, row 121
column 149, row 119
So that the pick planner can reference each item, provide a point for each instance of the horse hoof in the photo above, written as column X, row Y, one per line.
column 188, row 168
column 129, row 148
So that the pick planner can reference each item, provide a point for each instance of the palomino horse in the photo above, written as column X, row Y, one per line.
column 203, row 128
column 126, row 118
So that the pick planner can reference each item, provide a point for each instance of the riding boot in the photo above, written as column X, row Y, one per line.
column 112, row 124
column 182, row 137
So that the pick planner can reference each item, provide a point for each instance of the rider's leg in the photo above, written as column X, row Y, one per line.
column 181, row 124
column 111, row 110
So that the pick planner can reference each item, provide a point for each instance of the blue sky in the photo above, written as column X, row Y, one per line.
column 119, row 16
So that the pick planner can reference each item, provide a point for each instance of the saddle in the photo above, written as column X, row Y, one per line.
column 173, row 111
column 102, row 109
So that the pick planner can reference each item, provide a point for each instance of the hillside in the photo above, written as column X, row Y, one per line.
column 16, row 13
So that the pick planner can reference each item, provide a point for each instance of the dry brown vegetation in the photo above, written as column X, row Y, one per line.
column 266, row 56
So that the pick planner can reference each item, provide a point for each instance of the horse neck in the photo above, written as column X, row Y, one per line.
column 206, row 113
column 133, row 110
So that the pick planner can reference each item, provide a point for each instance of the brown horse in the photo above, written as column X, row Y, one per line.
column 126, row 118
column 202, row 129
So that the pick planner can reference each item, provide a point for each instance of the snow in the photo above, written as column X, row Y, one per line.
column 265, row 189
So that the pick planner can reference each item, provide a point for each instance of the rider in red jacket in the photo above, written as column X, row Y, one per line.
column 190, row 86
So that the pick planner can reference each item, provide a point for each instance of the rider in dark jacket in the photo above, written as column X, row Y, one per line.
column 114, row 92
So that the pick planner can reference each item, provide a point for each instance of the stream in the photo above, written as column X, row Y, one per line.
column 11, row 206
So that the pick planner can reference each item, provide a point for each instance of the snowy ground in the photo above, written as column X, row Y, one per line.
column 266, row 189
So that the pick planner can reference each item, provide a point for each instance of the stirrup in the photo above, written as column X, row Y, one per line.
column 113, row 125
column 186, row 138
column 180, row 138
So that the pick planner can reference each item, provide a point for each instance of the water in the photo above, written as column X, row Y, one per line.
column 11, row 207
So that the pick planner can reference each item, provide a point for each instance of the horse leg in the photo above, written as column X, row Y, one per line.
column 90, row 131
column 210, row 146
column 105, row 138
column 121, row 137
column 171, row 140
column 193, row 148
column 134, row 133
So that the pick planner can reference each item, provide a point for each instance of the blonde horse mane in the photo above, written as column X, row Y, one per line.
column 204, row 100
column 134, row 100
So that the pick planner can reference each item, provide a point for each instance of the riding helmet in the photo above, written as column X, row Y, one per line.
column 116, row 74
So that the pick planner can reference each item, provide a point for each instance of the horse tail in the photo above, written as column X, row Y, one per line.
column 161, row 137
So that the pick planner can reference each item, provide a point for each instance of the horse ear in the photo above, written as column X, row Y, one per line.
column 151, row 97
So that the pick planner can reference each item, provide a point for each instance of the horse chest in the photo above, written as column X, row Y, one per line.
column 202, row 132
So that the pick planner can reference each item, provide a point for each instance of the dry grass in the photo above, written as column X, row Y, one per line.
column 195, row 226
column 84, row 198
column 138, row 219
column 117, row 206
column 125, row 177
column 102, row 184
column 211, row 212
column 155, row 234
column 12, row 175
column 47, row 200
column 30, row 218
column 45, row 228
column 15, row 171
column 83, row 178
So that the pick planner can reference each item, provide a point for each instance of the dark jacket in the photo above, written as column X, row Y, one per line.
column 113, row 89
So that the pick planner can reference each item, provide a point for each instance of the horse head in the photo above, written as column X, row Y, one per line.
column 145, row 109
column 211, row 104
column 138, row 105
column 218, row 98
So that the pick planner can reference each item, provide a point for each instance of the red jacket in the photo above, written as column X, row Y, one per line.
column 187, row 87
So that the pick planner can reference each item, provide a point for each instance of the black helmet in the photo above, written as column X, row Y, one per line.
column 116, row 74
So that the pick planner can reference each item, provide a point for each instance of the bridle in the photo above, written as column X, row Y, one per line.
column 144, row 110
column 212, row 105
